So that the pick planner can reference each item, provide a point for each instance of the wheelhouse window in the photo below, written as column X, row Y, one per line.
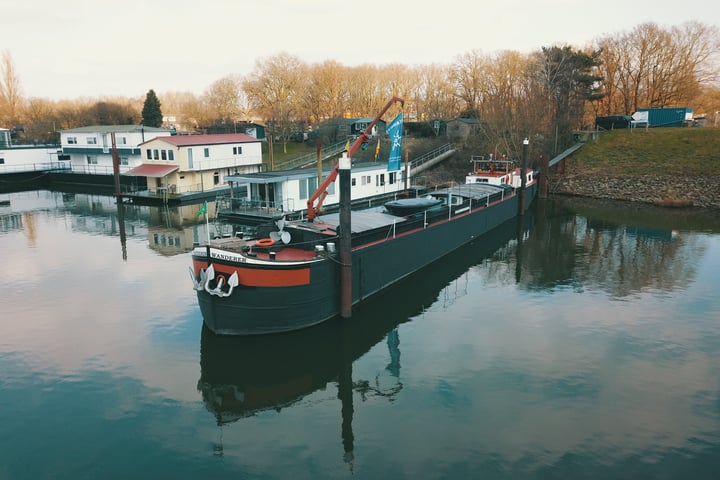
column 91, row 141
column 206, row 152
column 91, row 160
column 237, row 150
column 72, row 140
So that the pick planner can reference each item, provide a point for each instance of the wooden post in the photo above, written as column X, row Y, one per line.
column 116, row 164
column 523, row 168
column 345, row 247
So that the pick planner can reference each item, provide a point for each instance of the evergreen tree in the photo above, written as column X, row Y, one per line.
column 151, row 113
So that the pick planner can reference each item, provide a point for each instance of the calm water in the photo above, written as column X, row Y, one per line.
column 585, row 344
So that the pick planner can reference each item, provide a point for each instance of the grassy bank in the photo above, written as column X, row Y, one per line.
column 660, row 151
column 672, row 167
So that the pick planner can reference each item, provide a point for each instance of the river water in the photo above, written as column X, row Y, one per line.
column 582, row 343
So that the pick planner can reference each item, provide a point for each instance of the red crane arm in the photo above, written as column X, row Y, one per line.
column 321, row 192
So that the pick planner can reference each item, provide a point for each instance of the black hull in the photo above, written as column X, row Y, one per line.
column 242, row 376
column 262, row 310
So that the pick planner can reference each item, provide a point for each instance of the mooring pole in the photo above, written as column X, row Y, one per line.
column 523, row 168
column 116, row 164
column 345, row 247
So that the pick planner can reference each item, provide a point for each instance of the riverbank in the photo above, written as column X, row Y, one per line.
column 672, row 167
column 661, row 190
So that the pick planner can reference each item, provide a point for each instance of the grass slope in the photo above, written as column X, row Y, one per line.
column 665, row 151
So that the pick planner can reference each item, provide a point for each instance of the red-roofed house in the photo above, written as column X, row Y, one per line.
column 197, row 163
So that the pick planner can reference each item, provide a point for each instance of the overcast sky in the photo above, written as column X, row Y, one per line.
column 66, row 49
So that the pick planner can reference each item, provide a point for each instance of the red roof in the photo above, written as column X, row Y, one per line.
column 215, row 139
column 150, row 170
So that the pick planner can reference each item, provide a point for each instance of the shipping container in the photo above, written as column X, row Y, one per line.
column 663, row 117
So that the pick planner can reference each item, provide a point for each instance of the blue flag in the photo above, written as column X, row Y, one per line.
column 394, row 130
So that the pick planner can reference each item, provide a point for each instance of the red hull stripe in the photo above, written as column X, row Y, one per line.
column 253, row 277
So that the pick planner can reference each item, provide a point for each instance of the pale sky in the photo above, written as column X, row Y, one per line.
column 67, row 49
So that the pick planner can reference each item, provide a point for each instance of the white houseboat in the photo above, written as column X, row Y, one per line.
column 256, row 197
column 89, row 149
column 27, row 158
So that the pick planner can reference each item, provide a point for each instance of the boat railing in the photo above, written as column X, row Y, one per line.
column 35, row 167
column 228, row 204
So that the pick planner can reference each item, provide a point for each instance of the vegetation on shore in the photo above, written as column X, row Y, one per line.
column 655, row 151
column 671, row 167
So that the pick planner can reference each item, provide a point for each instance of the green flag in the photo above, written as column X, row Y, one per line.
column 203, row 209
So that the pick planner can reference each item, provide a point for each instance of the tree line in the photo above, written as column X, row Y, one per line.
column 544, row 95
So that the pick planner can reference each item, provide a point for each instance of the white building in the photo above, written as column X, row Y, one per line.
column 26, row 158
column 287, row 191
column 196, row 163
column 89, row 149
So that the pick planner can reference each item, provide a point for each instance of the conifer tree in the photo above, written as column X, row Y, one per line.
column 151, row 113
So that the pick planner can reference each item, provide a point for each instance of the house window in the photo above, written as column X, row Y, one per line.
column 148, row 154
column 163, row 154
column 237, row 150
column 156, row 154
column 124, row 161
column 352, row 182
column 171, row 155
column 92, row 159
column 91, row 141
column 72, row 140
column 121, row 140
column 2, row 161
column 392, row 177
column 307, row 185
column 206, row 152
column 365, row 180
column 380, row 180
column 216, row 178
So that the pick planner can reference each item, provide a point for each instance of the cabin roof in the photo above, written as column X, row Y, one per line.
column 212, row 139
column 114, row 128
column 476, row 191
column 362, row 220
column 278, row 176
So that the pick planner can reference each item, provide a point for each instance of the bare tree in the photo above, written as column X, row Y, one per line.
column 468, row 75
column 436, row 98
column 655, row 67
column 227, row 101
column 10, row 90
column 326, row 95
column 274, row 89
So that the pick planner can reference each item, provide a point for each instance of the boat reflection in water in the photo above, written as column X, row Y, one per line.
column 245, row 375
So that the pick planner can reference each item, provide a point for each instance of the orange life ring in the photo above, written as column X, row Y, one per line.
column 265, row 242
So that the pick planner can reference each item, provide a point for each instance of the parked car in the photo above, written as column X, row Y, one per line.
column 613, row 121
